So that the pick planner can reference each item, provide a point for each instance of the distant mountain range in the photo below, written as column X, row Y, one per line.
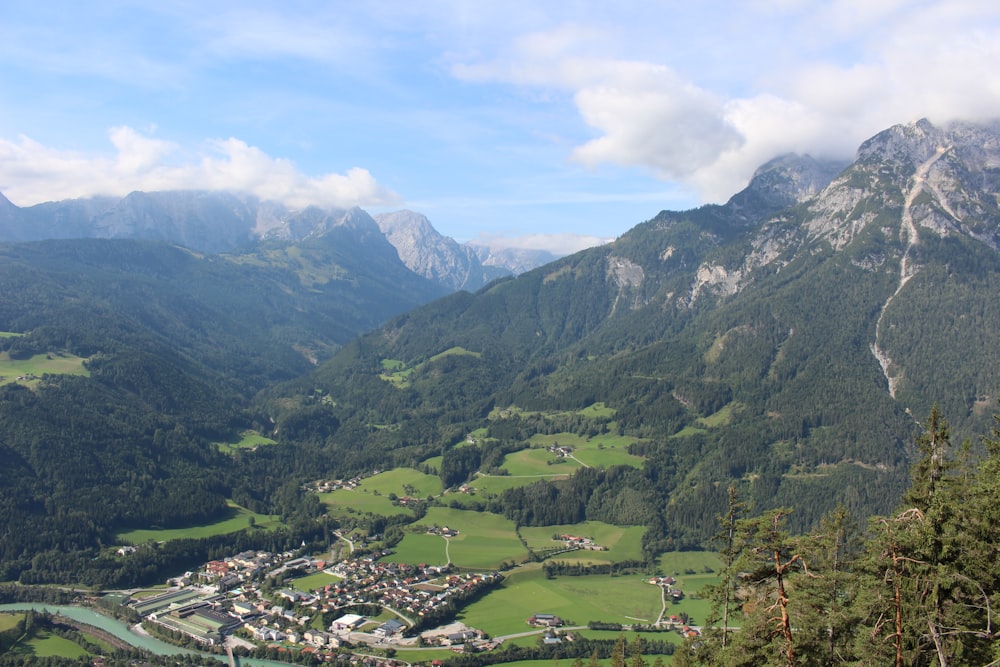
column 218, row 222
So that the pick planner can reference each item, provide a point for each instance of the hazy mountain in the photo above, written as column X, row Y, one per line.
column 224, row 222
column 434, row 256
column 512, row 260
column 787, row 340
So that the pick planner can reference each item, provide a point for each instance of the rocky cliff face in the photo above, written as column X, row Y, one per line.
column 432, row 255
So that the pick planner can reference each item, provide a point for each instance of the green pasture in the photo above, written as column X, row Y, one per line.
column 434, row 462
column 238, row 519
column 10, row 334
column 484, row 540
column 397, row 480
column 398, row 373
column 248, row 440
column 577, row 600
column 538, row 463
column 347, row 502
column 44, row 644
column 487, row 485
column 601, row 451
column 53, row 363
column 9, row 621
column 676, row 563
column 721, row 417
column 313, row 582
column 622, row 542
column 419, row 548
column 372, row 494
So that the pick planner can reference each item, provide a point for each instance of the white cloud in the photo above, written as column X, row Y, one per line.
column 32, row 173
column 833, row 75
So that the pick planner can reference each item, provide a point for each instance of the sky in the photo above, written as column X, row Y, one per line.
column 547, row 124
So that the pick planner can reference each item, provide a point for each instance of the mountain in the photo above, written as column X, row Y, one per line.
column 514, row 260
column 216, row 222
column 434, row 256
column 786, row 342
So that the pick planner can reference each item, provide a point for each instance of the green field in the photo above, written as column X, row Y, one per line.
column 53, row 363
column 495, row 485
column 314, row 581
column 537, row 462
column 347, row 502
column 44, row 644
column 238, row 519
column 372, row 494
column 600, row 451
column 576, row 599
column 8, row 621
column 403, row 482
column 398, row 373
column 483, row 543
column 419, row 548
column 248, row 440
column 622, row 542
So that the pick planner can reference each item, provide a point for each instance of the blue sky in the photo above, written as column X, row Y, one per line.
column 547, row 124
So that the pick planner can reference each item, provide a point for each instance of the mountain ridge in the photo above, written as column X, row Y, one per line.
column 220, row 222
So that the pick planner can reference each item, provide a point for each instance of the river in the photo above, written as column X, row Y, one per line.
column 122, row 631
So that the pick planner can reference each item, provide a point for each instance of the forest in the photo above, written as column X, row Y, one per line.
column 917, row 586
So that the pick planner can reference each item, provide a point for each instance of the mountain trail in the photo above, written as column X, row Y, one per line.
column 910, row 237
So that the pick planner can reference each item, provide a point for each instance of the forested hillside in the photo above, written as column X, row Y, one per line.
column 786, row 342
column 169, row 347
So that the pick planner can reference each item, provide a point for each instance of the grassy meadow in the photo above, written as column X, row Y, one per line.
column 238, row 519
column 248, row 440
column 53, row 363
column 622, row 542
column 484, row 540
column 372, row 494
column 313, row 582
column 578, row 600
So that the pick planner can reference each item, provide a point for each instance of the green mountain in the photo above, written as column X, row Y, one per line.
column 788, row 341
column 124, row 361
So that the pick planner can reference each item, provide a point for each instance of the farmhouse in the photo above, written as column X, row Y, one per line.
column 545, row 621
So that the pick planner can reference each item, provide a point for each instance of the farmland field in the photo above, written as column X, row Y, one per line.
column 53, row 363
column 345, row 502
column 248, row 440
column 238, row 519
column 44, row 644
column 314, row 581
column 600, row 451
column 372, row 494
column 576, row 599
column 538, row 462
column 484, row 540
column 397, row 480
column 495, row 485
column 622, row 542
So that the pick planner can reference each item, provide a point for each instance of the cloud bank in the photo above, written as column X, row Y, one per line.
column 816, row 78
column 31, row 173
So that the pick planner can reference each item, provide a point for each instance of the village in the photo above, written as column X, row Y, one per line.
column 237, row 602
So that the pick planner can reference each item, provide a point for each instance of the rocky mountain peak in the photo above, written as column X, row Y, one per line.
column 785, row 181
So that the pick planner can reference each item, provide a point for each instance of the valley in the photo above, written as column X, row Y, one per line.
column 737, row 403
